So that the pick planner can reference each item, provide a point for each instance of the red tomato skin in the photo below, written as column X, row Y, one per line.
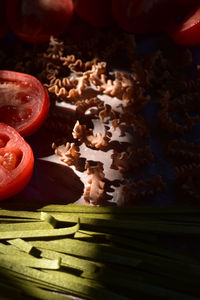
column 15, row 180
column 188, row 31
column 40, row 105
column 142, row 16
column 95, row 13
column 137, row 16
column 35, row 21
column 3, row 19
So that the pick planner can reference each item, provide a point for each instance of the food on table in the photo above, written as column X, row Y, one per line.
column 187, row 32
column 35, row 21
column 126, row 123
column 96, row 13
column 24, row 102
column 144, row 16
column 121, row 109
column 16, row 162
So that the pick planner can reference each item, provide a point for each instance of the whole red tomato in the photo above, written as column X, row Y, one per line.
column 16, row 162
column 143, row 16
column 35, row 21
column 96, row 13
column 188, row 31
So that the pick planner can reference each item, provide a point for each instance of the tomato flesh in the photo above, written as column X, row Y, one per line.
column 24, row 102
column 35, row 21
column 16, row 162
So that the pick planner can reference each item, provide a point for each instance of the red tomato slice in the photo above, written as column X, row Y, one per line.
column 142, row 16
column 24, row 101
column 16, row 162
column 3, row 19
column 96, row 13
column 188, row 31
column 35, row 21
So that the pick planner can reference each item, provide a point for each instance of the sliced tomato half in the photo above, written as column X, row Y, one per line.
column 16, row 162
column 188, row 31
column 34, row 21
column 24, row 101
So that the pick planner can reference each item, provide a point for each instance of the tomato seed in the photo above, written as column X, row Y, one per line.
column 9, row 161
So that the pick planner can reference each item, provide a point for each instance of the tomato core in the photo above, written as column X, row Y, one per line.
column 10, row 160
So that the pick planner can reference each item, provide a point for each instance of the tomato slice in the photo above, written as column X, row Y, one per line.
column 96, row 13
column 142, row 16
column 35, row 21
column 16, row 162
column 188, row 31
column 24, row 101
column 3, row 19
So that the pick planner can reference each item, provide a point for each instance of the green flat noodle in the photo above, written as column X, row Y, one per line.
column 6, row 220
column 120, row 256
column 88, row 288
column 166, row 228
column 147, row 237
column 42, row 294
column 71, row 261
column 48, row 218
column 150, row 284
column 67, row 260
column 161, row 264
column 39, row 233
column 22, row 245
column 24, row 226
column 173, row 277
column 72, row 217
column 187, row 219
column 9, row 292
column 20, row 214
column 89, row 250
column 156, row 264
column 78, row 208
column 40, row 263
column 160, row 227
column 30, row 290
column 76, row 285
column 12, row 250
column 16, row 277
column 155, row 248
column 131, row 239
column 91, row 237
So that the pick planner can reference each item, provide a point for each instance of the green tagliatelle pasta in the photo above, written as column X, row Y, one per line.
column 98, row 253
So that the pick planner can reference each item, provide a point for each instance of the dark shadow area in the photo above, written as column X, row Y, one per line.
column 56, row 129
column 51, row 183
